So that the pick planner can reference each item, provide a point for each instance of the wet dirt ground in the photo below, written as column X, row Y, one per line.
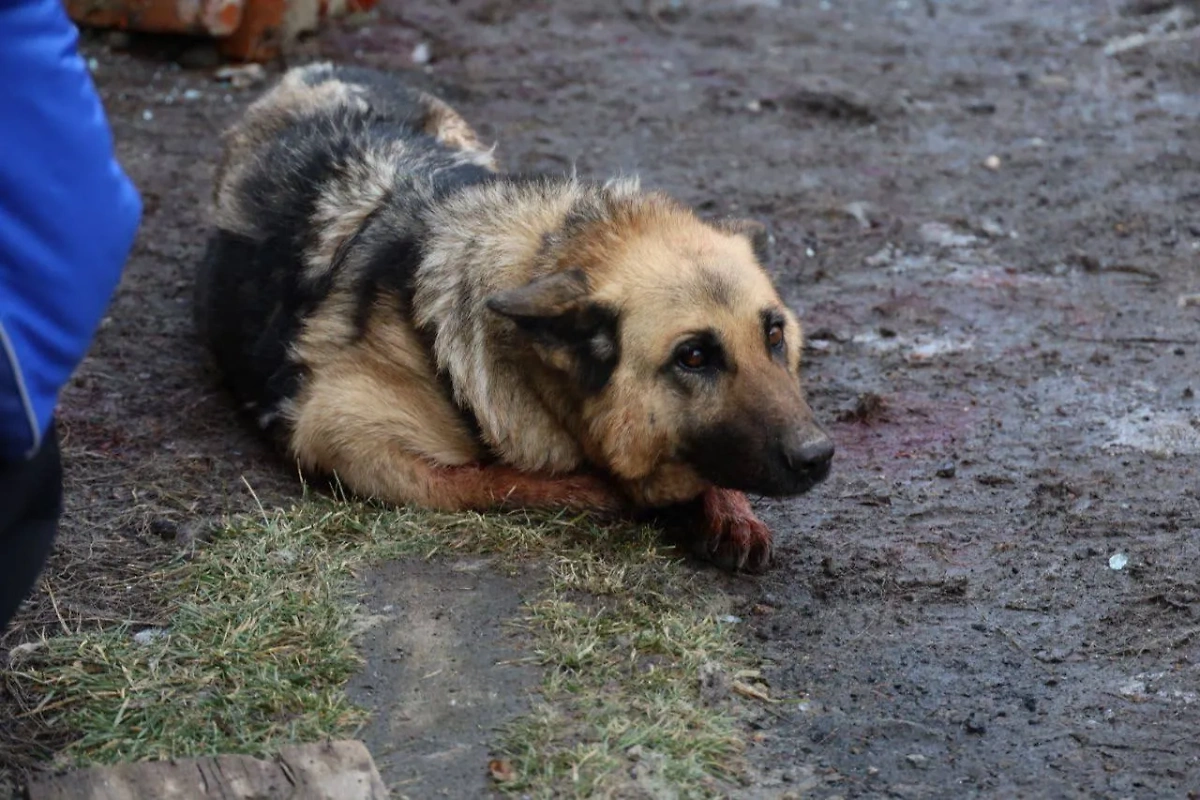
column 990, row 224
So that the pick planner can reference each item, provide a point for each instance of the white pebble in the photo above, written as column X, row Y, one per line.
column 22, row 650
column 992, row 163
column 145, row 637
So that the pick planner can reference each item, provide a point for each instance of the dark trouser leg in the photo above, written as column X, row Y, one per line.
column 30, row 505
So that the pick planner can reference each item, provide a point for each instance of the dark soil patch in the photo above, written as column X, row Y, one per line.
column 945, row 603
column 443, row 670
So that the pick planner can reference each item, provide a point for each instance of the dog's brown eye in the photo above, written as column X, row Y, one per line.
column 692, row 356
column 775, row 336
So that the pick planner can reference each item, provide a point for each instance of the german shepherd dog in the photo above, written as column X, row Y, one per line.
column 397, row 312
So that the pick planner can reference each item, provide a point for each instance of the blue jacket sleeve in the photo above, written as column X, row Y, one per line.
column 68, row 216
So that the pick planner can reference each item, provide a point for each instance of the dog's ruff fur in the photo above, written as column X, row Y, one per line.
column 399, row 313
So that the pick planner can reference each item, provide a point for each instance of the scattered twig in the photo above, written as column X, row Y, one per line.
column 925, row 729
column 1131, row 269
column 54, row 602
column 1127, row 339
column 1140, row 40
column 746, row 690
column 1161, row 644
column 1133, row 747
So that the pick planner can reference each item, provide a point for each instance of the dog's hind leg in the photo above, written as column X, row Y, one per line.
column 389, row 433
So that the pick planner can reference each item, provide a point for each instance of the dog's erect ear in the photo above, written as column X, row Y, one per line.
column 543, row 298
column 569, row 331
column 760, row 238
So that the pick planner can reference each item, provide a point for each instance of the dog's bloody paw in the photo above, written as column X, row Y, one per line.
column 734, row 538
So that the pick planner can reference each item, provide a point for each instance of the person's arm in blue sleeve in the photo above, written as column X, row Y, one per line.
column 68, row 217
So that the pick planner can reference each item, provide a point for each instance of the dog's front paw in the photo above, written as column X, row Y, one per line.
column 733, row 537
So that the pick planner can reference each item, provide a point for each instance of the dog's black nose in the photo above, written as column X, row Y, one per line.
column 808, row 451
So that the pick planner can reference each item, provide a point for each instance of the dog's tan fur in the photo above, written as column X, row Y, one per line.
column 372, row 407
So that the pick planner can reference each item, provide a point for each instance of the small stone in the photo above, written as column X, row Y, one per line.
column 947, row 470
column 421, row 54
column 239, row 77
column 992, row 228
column 861, row 211
column 1117, row 561
column 148, row 636
column 829, row 97
column 974, row 727
column 119, row 40
column 147, row 115
column 1188, row 300
column 1145, row 7
column 992, row 163
column 501, row 770
column 283, row 556
column 634, row 753
column 981, row 107
column 164, row 529
column 200, row 56
column 754, row 106
column 23, row 651
column 1060, row 82
column 192, row 94
column 882, row 258
column 940, row 234
column 715, row 684
column 872, row 771
column 917, row 760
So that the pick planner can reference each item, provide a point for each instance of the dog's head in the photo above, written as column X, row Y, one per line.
column 685, row 357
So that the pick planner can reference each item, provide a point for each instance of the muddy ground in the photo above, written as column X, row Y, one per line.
column 987, row 222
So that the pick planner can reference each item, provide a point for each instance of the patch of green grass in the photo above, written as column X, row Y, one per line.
column 260, row 645
column 625, row 639
column 255, row 654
